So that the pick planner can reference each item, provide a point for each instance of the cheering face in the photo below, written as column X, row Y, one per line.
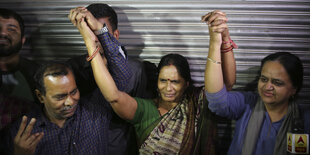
column 274, row 86
column 10, row 37
column 170, row 84
column 62, row 96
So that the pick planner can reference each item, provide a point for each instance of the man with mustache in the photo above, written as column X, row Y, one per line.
column 117, row 133
column 66, row 123
column 16, row 82
column 16, row 71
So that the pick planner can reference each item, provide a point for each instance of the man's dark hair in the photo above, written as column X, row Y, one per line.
column 101, row 10
column 6, row 13
column 50, row 69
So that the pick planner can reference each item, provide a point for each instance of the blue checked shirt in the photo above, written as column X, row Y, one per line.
column 86, row 132
column 117, row 65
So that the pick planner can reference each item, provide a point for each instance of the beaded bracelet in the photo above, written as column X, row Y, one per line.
column 89, row 58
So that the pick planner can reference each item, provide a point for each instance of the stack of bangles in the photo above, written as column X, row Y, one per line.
column 89, row 58
column 230, row 48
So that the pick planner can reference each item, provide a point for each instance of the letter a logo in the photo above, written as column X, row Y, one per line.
column 300, row 141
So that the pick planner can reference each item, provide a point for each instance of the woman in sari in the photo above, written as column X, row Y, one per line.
column 265, row 116
column 178, row 120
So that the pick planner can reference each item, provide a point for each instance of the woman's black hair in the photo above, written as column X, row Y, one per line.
column 181, row 65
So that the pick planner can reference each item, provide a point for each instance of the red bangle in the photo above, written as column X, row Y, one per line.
column 231, row 42
column 228, row 48
column 89, row 58
column 224, row 42
column 225, row 50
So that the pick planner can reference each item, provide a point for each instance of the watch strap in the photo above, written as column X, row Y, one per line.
column 102, row 30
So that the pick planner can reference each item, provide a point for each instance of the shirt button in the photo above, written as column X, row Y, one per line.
column 73, row 143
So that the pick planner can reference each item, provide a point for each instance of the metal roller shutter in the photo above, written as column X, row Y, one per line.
column 151, row 29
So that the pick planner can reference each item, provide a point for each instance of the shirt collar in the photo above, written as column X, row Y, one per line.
column 43, row 121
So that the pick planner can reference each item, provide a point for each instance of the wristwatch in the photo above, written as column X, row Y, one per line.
column 102, row 30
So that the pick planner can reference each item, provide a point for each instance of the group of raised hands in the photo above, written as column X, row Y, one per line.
column 25, row 141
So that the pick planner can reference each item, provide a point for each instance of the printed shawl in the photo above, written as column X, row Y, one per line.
column 176, row 132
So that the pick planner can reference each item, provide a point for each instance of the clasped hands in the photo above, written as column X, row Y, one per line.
column 24, row 141
column 216, row 21
column 85, row 22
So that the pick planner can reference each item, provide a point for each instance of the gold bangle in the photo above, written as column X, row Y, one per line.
column 216, row 62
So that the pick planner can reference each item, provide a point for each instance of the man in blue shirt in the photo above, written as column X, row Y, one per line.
column 66, row 124
column 139, row 84
column 121, row 134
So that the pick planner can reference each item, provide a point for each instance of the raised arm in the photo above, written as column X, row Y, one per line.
column 123, row 104
column 217, row 21
column 108, row 43
column 218, row 62
column 228, row 60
